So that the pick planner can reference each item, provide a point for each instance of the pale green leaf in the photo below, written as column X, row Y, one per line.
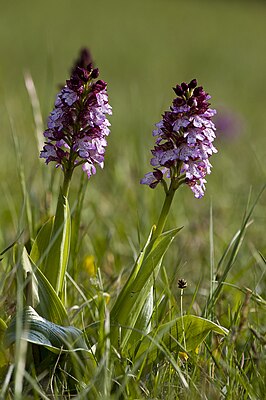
column 53, row 339
column 42, row 332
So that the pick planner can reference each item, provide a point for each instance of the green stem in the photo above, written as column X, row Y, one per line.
column 165, row 209
column 182, row 319
column 57, row 258
column 66, row 183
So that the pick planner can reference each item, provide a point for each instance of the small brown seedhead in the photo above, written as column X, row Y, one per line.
column 182, row 283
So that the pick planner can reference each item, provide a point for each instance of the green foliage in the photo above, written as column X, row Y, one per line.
column 40, row 294
column 39, row 331
column 40, row 246
column 59, row 245
column 136, row 293
column 52, row 344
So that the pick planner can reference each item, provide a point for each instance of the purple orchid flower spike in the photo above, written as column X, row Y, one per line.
column 184, row 140
column 78, row 127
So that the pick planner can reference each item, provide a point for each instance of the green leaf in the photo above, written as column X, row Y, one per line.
column 132, row 299
column 40, row 246
column 42, row 332
column 183, row 333
column 40, row 293
column 53, row 343
column 3, row 327
column 57, row 259
column 126, row 288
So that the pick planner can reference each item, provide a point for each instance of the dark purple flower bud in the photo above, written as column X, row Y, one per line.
column 184, row 86
column 178, row 90
column 82, row 73
column 95, row 73
column 184, row 139
column 192, row 84
column 89, row 67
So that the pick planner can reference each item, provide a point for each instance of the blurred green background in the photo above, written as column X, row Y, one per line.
column 142, row 48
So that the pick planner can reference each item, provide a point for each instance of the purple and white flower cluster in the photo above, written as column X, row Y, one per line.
column 184, row 141
column 78, row 127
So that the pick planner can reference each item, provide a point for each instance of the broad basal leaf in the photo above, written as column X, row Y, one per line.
column 53, row 345
column 42, row 332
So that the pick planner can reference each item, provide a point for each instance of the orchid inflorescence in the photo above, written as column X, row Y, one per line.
column 184, row 140
column 78, row 127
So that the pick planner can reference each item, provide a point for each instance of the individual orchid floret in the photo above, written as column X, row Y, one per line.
column 77, row 128
column 184, row 140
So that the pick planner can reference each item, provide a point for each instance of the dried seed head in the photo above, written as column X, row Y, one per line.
column 182, row 283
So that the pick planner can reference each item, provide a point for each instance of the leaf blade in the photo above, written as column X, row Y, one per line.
column 129, row 305
column 40, row 331
column 57, row 259
column 40, row 245
column 43, row 296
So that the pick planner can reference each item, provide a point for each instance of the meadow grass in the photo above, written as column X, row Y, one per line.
column 142, row 50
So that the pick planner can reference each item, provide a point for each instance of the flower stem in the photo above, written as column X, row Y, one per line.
column 66, row 183
column 57, row 257
column 182, row 319
column 68, row 171
column 165, row 209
